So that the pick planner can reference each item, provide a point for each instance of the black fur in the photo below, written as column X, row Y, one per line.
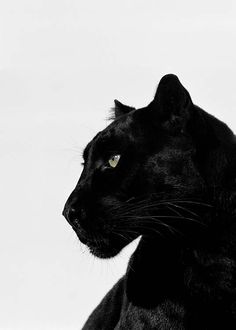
column 175, row 184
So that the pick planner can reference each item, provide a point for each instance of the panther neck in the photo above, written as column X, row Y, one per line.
column 155, row 272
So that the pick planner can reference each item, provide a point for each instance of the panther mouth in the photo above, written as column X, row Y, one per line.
column 103, row 247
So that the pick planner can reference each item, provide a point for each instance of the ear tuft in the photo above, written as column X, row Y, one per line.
column 121, row 109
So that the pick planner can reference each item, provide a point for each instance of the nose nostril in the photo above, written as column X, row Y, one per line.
column 76, row 223
column 73, row 211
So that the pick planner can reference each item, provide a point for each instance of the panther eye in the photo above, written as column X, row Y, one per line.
column 114, row 160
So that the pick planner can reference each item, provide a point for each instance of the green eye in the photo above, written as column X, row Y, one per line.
column 114, row 160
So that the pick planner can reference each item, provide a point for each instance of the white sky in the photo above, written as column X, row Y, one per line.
column 61, row 65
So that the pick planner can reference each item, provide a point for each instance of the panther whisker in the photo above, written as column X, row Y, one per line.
column 143, row 226
column 121, row 235
column 126, row 230
column 130, row 226
column 161, row 217
column 143, row 205
column 170, row 228
column 149, row 221
column 173, row 210
column 193, row 202
column 185, row 209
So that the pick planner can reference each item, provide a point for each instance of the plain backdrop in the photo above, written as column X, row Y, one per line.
column 62, row 63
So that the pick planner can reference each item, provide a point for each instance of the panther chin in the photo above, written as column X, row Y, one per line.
column 104, row 248
column 104, row 252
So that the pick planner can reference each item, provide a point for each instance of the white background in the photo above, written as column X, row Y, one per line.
column 62, row 63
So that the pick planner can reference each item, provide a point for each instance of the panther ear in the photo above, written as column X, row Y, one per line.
column 121, row 109
column 172, row 103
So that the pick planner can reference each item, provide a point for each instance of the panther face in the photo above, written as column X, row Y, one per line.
column 141, row 174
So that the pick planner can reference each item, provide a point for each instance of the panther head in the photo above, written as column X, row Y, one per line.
column 148, row 173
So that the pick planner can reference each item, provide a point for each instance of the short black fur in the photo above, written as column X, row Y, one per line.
column 175, row 185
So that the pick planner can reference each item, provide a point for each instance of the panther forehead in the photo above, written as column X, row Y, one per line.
column 113, row 137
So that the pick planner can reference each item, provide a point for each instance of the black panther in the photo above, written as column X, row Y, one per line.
column 165, row 172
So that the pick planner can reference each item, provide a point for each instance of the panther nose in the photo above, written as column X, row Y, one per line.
column 74, row 215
